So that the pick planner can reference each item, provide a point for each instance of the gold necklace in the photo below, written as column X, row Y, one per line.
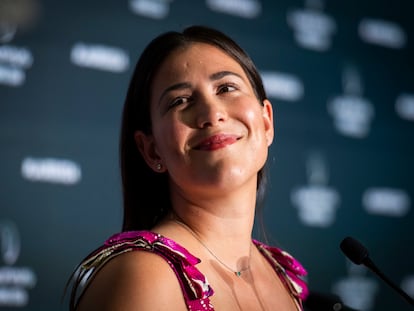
column 191, row 231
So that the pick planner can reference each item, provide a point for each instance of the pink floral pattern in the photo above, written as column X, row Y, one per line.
column 194, row 285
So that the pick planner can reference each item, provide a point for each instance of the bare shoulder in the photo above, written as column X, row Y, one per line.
column 136, row 280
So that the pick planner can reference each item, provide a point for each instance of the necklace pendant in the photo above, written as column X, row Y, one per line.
column 237, row 273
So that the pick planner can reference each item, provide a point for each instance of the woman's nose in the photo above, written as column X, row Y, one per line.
column 210, row 112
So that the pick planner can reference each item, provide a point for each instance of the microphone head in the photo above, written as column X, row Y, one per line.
column 354, row 250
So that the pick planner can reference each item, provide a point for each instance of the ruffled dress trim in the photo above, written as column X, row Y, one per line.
column 194, row 285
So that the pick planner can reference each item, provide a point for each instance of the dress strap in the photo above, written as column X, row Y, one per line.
column 289, row 270
column 194, row 285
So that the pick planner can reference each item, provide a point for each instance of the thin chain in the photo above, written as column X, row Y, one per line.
column 237, row 273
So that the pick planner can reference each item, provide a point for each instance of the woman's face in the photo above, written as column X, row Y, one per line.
column 210, row 132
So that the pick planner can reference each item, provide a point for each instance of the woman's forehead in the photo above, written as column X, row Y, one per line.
column 194, row 57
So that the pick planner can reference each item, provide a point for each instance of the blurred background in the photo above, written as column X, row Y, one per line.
column 340, row 75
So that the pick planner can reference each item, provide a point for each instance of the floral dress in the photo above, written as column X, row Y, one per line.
column 194, row 285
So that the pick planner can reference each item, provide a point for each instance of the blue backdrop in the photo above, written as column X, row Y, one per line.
column 339, row 74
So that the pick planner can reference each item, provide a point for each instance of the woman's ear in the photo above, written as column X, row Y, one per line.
column 268, row 121
column 146, row 146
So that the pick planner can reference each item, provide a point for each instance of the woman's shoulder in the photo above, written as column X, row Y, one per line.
column 143, row 265
column 130, row 280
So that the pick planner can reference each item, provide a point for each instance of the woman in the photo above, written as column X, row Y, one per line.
column 195, row 135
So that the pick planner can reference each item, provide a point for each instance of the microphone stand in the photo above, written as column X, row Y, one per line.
column 370, row 264
column 358, row 254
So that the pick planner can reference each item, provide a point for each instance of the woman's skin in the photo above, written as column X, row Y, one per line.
column 211, row 136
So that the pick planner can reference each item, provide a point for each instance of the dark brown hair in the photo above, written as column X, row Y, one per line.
column 146, row 193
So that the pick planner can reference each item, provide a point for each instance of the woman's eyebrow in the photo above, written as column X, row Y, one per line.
column 221, row 74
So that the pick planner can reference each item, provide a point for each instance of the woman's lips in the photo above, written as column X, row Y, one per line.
column 216, row 142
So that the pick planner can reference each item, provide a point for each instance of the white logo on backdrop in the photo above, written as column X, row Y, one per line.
column 352, row 114
column 356, row 290
column 404, row 106
column 312, row 28
column 382, row 32
column 52, row 170
column 13, row 63
column 14, row 281
column 282, row 86
column 156, row 9
column 241, row 8
column 407, row 285
column 101, row 57
column 386, row 201
column 316, row 202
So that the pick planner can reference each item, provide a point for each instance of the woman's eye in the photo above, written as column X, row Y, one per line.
column 178, row 101
column 226, row 88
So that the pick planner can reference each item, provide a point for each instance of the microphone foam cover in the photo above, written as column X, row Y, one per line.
column 354, row 250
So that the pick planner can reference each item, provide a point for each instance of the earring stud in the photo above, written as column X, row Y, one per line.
column 158, row 166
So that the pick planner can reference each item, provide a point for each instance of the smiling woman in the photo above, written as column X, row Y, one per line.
column 195, row 135
column 207, row 104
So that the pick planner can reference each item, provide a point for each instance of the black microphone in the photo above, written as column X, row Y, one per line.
column 358, row 254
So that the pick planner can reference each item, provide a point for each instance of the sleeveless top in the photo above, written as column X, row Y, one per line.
column 194, row 285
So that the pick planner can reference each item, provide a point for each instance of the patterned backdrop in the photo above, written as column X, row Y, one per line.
column 340, row 75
